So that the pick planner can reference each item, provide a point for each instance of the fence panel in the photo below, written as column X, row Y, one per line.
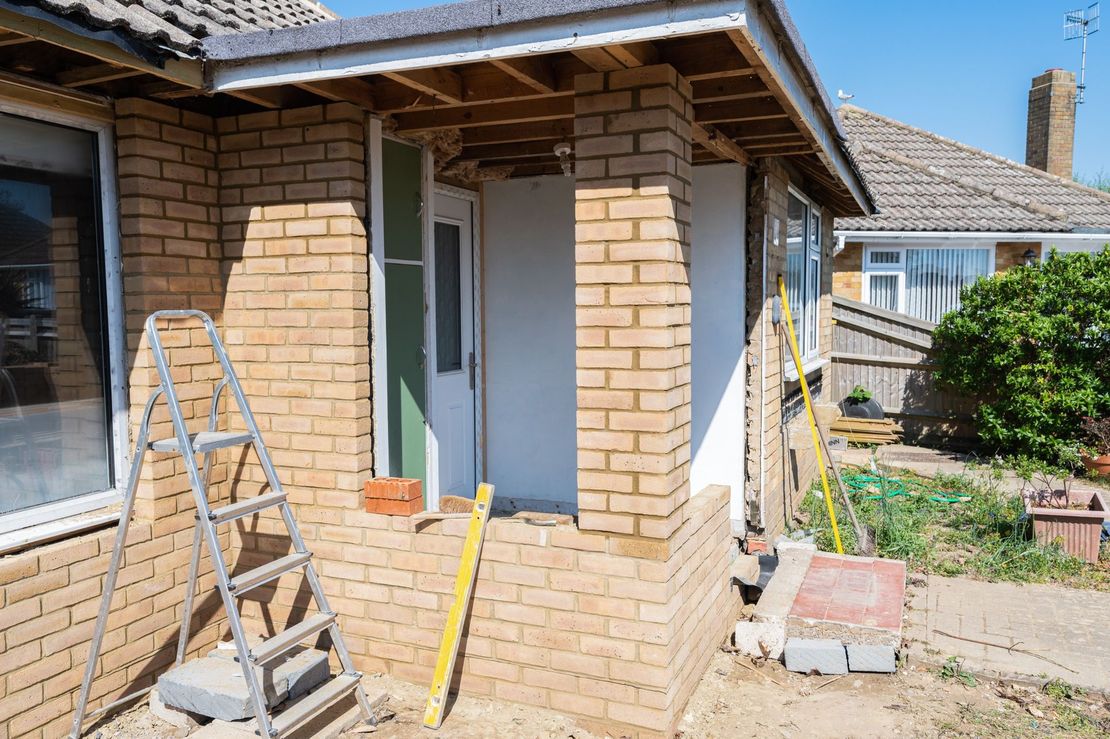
column 891, row 355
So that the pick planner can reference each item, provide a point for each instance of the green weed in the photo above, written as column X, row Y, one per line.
column 951, row 525
column 952, row 669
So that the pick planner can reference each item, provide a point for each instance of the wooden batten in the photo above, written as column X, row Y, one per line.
column 27, row 91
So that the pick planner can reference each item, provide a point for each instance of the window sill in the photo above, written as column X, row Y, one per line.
column 812, row 367
column 61, row 528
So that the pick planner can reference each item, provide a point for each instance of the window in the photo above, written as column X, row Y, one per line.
column 923, row 282
column 56, row 386
column 803, row 271
column 448, row 297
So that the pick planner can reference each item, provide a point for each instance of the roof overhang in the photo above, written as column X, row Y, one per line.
column 485, row 31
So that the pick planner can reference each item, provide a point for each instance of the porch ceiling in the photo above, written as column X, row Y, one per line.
column 495, row 117
column 503, row 117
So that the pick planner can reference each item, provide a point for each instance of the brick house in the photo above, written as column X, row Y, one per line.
column 950, row 213
column 412, row 281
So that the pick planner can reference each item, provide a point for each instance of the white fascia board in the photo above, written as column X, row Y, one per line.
column 627, row 26
column 767, row 46
column 923, row 236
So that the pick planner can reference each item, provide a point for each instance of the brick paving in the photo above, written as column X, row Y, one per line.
column 853, row 590
column 1030, row 631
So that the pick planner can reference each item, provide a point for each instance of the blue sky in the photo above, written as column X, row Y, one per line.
column 958, row 68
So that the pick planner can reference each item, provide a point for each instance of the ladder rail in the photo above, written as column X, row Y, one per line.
column 114, row 565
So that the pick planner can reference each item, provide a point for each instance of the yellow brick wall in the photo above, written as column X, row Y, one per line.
column 848, row 272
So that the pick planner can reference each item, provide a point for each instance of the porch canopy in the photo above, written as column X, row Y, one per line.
column 490, row 83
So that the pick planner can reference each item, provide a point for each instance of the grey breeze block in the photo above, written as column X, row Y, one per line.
column 872, row 658
column 213, row 686
column 826, row 656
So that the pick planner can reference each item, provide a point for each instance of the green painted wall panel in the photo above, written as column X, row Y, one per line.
column 404, row 305
column 405, row 371
column 401, row 199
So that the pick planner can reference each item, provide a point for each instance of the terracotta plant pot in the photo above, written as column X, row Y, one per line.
column 1071, row 520
column 1099, row 465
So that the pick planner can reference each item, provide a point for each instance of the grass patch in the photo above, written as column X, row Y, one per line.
column 950, row 525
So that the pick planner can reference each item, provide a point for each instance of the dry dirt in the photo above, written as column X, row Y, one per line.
column 737, row 699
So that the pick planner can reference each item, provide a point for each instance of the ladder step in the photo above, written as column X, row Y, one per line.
column 305, row 709
column 270, row 571
column 205, row 441
column 281, row 643
column 245, row 507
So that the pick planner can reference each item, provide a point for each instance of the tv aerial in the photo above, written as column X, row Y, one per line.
column 1079, row 24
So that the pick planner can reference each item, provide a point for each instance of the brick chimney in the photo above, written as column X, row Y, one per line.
column 1050, row 135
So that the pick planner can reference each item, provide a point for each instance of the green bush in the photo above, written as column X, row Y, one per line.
column 1032, row 346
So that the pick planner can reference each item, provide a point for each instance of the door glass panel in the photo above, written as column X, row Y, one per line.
column 796, row 260
column 54, row 379
column 448, row 299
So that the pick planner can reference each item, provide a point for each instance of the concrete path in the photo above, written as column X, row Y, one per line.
column 1012, row 631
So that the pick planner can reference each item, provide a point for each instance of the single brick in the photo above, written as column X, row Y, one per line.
column 825, row 656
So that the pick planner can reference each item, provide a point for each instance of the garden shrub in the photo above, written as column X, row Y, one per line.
column 1032, row 346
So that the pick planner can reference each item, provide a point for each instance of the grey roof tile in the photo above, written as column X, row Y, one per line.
column 925, row 182
column 182, row 24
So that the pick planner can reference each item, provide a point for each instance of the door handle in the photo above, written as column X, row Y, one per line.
column 473, row 365
column 421, row 356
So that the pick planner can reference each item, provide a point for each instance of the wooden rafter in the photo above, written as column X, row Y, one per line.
column 532, row 71
column 440, row 82
column 721, row 145
column 95, row 74
column 350, row 89
column 484, row 114
column 13, row 39
column 267, row 97
column 537, row 131
column 599, row 59
column 741, row 110
column 635, row 54
column 729, row 88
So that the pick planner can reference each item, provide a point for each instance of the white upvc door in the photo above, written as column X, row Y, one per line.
column 451, row 358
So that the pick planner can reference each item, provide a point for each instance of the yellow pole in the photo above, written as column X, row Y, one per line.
column 809, row 415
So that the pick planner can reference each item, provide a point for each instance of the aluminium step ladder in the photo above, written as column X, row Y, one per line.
column 205, row 442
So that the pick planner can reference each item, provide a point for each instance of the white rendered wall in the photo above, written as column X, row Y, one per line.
column 531, row 394
column 717, row 293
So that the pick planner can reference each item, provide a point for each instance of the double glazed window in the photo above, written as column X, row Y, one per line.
column 803, row 271
column 56, row 424
column 923, row 282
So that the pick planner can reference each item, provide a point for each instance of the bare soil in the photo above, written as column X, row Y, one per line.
column 736, row 699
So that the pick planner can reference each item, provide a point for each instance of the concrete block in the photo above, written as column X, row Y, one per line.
column 169, row 714
column 214, row 687
column 872, row 658
column 826, row 656
column 758, row 639
column 300, row 669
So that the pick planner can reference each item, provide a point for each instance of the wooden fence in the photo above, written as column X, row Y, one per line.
column 891, row 355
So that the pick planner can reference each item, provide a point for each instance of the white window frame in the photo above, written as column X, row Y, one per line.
column 812, row 252
column 48, row 521
column 899, row 270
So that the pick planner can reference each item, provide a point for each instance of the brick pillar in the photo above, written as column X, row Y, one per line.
column 632, row 253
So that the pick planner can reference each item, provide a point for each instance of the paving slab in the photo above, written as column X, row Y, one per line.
column 1012, row 630
column 857, row 600
column 824, row 656
column 214, row 687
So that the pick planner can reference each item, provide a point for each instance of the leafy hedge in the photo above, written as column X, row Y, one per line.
column 1033, row 346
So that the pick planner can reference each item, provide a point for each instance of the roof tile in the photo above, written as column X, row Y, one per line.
column 925, row 182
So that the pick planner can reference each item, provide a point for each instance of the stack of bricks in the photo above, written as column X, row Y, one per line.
column 394, row 496
column 633, row 172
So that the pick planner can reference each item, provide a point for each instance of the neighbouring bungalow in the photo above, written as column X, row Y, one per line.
column 950, row 213
column 526, row 242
